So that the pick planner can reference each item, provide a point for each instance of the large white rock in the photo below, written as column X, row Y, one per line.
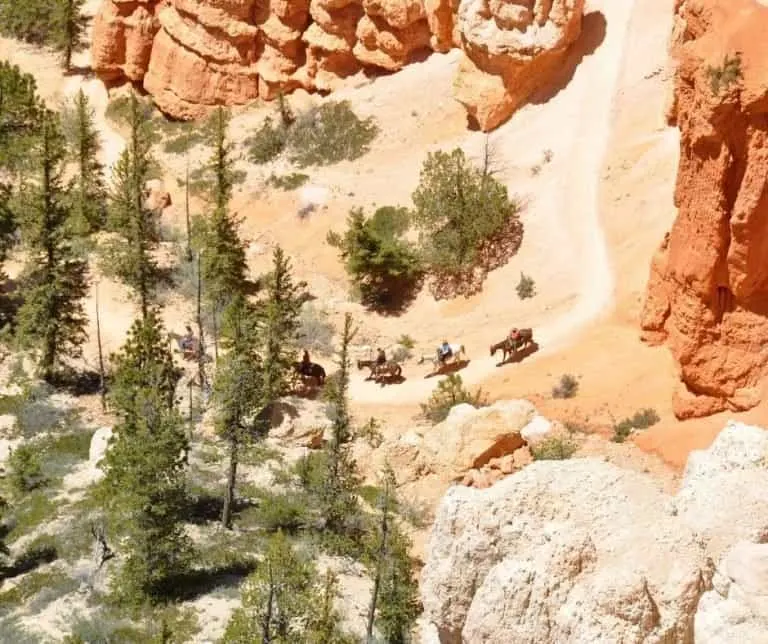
column 99, row 443
column 538, row 430
column 582, row 551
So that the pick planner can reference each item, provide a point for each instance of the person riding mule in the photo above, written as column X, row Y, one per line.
column 305, row 363
column 445, row 351
column 514, row 338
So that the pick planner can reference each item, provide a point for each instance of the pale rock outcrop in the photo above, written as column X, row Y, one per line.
column 582, row 551
column 192, row 55
column 511, row 49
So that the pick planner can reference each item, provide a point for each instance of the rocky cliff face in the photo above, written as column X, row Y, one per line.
column 193, row 54
column 582, row 551
column 708, row 291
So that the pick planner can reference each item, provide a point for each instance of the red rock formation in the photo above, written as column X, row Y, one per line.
column 195, row 54
column 708, row 290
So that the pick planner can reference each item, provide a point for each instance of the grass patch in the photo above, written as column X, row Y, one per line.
column 30, row 511
column 642, row 419
column 449, row 393
column 567, row 387
column 32, row 584
column 170, row 625
column 554, row 448
column 288, row 181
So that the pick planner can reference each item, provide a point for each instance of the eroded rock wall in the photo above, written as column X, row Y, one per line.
column 194, row 54
column 707, row 295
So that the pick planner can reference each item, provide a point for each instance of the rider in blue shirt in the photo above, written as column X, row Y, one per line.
column 445, row 351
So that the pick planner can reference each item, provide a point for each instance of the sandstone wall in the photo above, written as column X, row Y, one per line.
column 194, row 54
column 707, row 296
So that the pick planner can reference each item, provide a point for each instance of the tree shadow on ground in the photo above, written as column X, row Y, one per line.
column 207, row 508
column 29, row 560
column 196, row 583
column 492, row 254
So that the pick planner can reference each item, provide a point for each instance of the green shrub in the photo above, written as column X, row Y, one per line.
column 568, row 387
column 28, row 20
column 458, row 208
column 287, row 512
column 288, row 181
column 382, row 264
column 554, row 448
column 30, row 511
column 315, row 330
column 329, row 134
column 449, row 393
column 267, row 143
column 526, row 288
column 721, row 78
column 406, row 341
column 32, row 583
column 26, row 472
column 642, row 419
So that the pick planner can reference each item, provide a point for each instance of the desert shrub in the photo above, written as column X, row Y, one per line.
column 119, row 110
column 458, row 207
column 721, row 78
column 282, row 511
column 267, row 142
column 315, row 330
column 526, row 288
column 382, row 265
column 568, row 387
column 329, row 134
column 26, row 472
column 406, row 341
column 449, row 393
column 370, row 433
column 31, row 584
column 554, row 448
column 288, row 181
column 183, row 141
column 642, row 419
column 28, row 20
column 548, row 154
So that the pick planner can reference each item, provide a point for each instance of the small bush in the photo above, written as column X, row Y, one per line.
column 449, row 393
column 554, row 448
column 288, row 181
column 642, row 419
column 31, row 584
column 26, row 472
column 287, row 512
column 32, row 510
column 330, row 134
column 406, row 341
column 267, row 143
column 548, row 154
column 568, row 387
column 118, row 110
column 526, row 288
column 721, row 78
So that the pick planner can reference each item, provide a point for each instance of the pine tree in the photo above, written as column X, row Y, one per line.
column 394, row 598
column 144, row 487
column 340, row 508
column 88, row 187
column 279, row 323
column 237, row 390
column 131, row 259
column 51, row 320
column 224, row 268
column 69, row 25
column 20, row 116
column 282, row 603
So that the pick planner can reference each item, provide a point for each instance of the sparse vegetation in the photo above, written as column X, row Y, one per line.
column 554, row 448
column 526, row 287
column 25, row 471
column 289, row 181
column 315, row 331
column 721, row 78
column 642, row 419
column 567, row 387
column 449, row 393
column 267, row 143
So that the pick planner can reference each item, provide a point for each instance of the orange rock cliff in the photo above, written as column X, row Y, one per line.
column 191, row 55
column 707, row 295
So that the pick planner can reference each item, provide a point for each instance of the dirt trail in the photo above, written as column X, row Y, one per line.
column 567, row 207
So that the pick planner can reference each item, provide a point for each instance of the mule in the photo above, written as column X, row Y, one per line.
column 390, row 369
column 310, row 370
column 509, row 347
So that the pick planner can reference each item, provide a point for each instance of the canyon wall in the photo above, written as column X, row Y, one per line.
column 191, row 55
column 707, row 295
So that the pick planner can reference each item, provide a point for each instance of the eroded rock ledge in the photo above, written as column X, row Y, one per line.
column 707, row 296
column 195, row 54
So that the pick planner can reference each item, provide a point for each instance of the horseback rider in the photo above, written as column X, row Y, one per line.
column 445, row 351
column 305, row 363
column 381, row 358
column 514, row 338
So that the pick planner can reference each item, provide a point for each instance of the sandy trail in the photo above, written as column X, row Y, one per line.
column 570, row 205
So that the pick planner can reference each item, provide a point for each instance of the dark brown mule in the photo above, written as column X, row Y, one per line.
column 524, row 338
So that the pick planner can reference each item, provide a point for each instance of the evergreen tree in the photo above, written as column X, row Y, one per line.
column 51, row 320
column 144, row 487
column 131, row 259
column 237, row 389
column 20, row 116
column 279, row 323
column 394, row 598
column 69, row 26
column 340, row 508
column 224, row 267
column 87, row 190
column 283, row 604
